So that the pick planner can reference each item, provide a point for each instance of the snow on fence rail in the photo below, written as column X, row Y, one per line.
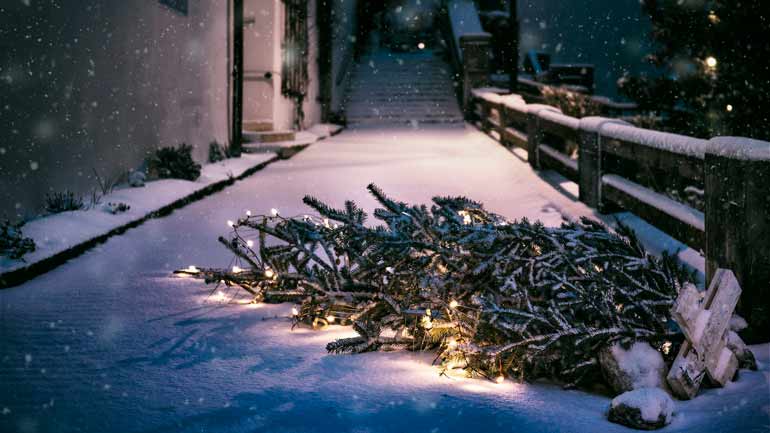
column 617, row 165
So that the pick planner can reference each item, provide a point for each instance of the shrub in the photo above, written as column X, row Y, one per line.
column 58, row 202
column 218, row 152
column 571, row 103
column 174, row 163
column 116, row 208
column 13, row 244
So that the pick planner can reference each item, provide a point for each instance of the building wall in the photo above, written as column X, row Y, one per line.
column 262, row 53
column 98, row 84
column 613, row 35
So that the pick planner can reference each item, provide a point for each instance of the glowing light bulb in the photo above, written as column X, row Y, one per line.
column 426, row 322
column 248, row 213
column 294, row 311
column 666, row 347
column 500, row 379
column 330, row 318
column 421, row 46
column 729, row 107
column 711, row 62
column 274, row 211
column 249, row 243
column 466, row 217
column 237, row 270
column 453, row 304
column 269, row 273
column 230, row 223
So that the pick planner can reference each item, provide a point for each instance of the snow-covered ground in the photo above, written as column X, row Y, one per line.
column 111, row 342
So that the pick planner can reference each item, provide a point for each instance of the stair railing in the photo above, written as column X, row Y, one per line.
column 469, row 47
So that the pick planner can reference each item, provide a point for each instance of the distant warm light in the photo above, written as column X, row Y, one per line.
column 713, row 18
column 454, row 304
column 421, row 46
column 500, row 379
column 269, row 273
column 711, row 62
column 729, row 107
column 330, row 318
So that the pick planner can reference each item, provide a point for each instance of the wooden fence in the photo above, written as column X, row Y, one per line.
column 621, row 167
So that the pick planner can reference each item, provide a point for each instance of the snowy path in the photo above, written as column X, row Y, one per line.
column 110, row 342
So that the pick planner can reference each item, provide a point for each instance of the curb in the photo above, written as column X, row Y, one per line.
column 26, row 273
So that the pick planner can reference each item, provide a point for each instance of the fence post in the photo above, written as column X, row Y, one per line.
column 534, row 136
column 535, row 132
column 590, row 160
column 737, row 175
column 475, row 52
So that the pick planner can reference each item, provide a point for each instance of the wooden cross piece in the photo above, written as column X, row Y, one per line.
column 704, row 320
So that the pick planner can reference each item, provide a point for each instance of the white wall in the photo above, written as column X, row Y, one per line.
column 262, row 52
column 261, row 40
column 99, row 84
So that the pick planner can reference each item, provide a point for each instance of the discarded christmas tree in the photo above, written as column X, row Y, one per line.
column 494, row 298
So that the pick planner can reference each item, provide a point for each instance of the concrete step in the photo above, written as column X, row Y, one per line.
column 268, row 136
column 258, row 125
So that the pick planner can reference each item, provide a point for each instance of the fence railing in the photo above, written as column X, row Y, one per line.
column 619, row 166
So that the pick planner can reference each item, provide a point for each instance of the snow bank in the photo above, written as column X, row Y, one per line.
column 54, row 234
column 682, row 212
column 674, row 143
column 653, row 403
column 538, row 108
column 559, row 118
column 740, row 148
column 491, row 94
column 641, row 363
column 595, row 123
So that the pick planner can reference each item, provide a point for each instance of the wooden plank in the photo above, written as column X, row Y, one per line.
column 684, row 166
column 704, row 320
column 551, row 158
column 738, row 232
column 513, row 137
column 663, row 218
column 562, row 131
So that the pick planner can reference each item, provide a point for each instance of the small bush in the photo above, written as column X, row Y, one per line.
column 58, row 202
column 218, row 152
column 174, row 163
column 13, row 244
column 571, row 103
column 116, row 208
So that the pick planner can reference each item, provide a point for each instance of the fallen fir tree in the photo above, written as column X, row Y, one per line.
column 494, row 298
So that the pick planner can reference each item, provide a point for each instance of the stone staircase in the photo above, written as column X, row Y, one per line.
column 394, row 88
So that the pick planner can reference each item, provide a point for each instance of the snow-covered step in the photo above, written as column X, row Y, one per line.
column 268, row 136
column 395, row 88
